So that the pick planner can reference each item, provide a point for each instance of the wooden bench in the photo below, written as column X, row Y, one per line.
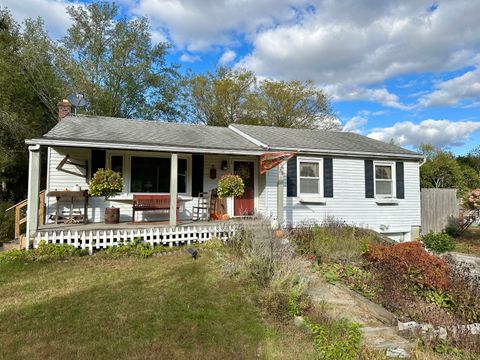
column 152, row 203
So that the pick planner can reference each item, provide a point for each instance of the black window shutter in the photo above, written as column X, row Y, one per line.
column 197, row 174
column 98, row 160
column 292, row 177
column 369, row 188
column 328, row 177
column 400, row 180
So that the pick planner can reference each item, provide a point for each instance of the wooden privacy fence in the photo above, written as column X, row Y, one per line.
column 439, row 206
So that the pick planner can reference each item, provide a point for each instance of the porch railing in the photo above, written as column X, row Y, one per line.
column 166, row 236
column 20, row 213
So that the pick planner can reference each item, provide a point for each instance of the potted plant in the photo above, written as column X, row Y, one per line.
column 230, row 185
column 107, row 183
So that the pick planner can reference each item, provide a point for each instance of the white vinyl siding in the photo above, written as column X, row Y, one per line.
column 350, row 203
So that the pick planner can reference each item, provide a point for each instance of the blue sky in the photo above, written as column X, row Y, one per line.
column 405, row 70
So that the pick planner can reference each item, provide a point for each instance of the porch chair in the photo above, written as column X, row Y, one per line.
column 202, row 209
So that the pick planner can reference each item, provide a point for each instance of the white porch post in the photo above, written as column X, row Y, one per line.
column 173, row 189
column 33, row 192
column 280, row 195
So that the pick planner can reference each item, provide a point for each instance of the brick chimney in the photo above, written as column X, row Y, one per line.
column 64, row 109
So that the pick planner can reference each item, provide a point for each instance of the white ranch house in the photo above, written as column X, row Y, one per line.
column 345, row 175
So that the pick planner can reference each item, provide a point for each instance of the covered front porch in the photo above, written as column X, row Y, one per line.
column 179, row 176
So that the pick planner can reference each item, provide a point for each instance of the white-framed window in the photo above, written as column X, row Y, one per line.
column 309, row 177
column 150, row 174
column 384, row 173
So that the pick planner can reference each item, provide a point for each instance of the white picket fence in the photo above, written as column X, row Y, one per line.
column 165, row 236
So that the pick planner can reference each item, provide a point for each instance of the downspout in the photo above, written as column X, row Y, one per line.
column 424, row 160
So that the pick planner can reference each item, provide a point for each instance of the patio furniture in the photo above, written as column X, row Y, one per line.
column 72, row 195
column 202, row 209
column 152, row 203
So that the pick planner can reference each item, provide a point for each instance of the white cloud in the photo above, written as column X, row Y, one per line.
column 53, row 12
column 451, row 92
column 185, row 57
column 380, row 95
column 197, row 25
column 372, row 113
column 364, row 43
column 435, row 132
column 227, row 57
column 355, row 124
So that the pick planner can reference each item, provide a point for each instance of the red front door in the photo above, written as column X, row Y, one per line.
column 244, row 205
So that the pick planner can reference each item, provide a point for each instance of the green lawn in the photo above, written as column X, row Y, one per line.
column 169, row 307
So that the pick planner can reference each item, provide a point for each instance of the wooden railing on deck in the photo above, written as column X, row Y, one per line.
column 20, row 219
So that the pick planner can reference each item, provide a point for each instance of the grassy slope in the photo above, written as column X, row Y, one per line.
column 163, row 307
column 469, row 241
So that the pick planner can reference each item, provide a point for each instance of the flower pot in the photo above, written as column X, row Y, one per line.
column 112, row 215
column 279, row 234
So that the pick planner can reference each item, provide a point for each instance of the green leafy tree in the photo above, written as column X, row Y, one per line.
column 220, row 98
column 472, row 159
column 113, row 61
column 441, row 169
column 30, row 88
column 229, row 96
column 293, row 104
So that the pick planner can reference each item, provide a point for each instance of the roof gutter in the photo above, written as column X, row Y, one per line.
column 352, row 153
column 143, row 147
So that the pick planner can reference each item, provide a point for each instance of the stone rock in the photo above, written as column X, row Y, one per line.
column 397, row 352
column 426, row 328
column 299, row 321
column 411, row 325
column 441, row 333
column 474, row 328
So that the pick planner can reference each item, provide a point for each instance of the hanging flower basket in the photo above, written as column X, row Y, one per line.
column 230, row 186
column 106, row 183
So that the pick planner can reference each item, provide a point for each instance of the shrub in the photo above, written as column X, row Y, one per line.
column 336, row 339
column 465, row 291
column 279, row 276
column 355, row 277
column 44, row 252
column 412, row 263
column 439, row 242
column 230, row 186
column 472, row 200
column 106, row 183
column 333, row 240
column 135, row 248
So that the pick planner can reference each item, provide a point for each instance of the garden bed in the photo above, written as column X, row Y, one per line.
column 404, row 278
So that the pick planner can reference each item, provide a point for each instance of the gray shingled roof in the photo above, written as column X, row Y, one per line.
column 140, row 132
column 303, row 139
column 107, row 130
